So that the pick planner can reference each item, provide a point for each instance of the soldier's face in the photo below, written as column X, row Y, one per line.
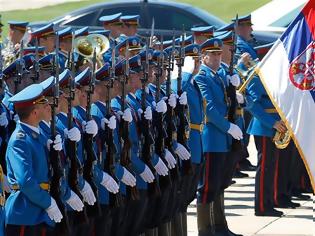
column 226, row 53
column 130, row 30
column 48, row 43
column 16, row 35
column 245, row 30
column 200, row 39
column 66, row 45
column 212, row 59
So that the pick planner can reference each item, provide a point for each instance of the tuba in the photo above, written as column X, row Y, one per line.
column 85, row 46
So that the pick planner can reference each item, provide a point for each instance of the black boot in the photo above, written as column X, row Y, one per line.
column 205, row 228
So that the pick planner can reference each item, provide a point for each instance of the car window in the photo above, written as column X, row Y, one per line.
column 86, row 19
column 172, row 18
column 125, row 10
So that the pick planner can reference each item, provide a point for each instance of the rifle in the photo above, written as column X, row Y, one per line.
column 146, row 126
column 165, row 181
column 35, row 77
column 132, row 192
column 63, row 227
column 231, row 92
column 111, row 149
column 91, row 157
column 20, row 68
column 181, row 110
column 75, row 169
column 170, row 116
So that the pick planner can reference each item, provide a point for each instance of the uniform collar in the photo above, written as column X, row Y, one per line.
column 32, row 128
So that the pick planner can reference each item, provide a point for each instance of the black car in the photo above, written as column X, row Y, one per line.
column 168, row 17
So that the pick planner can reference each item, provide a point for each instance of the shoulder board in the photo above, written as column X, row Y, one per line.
column 20, row 135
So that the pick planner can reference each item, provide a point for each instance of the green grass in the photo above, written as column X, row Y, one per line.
column 225, row 9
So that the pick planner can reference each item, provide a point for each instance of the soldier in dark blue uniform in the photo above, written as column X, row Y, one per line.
column 46, row 37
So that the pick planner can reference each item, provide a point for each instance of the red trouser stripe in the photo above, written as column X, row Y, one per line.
column 276, row 179
column 43, row 231
column 262, row 176
column 205, row 192
column 22, row 230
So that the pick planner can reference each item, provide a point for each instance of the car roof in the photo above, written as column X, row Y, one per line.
column 186, row 7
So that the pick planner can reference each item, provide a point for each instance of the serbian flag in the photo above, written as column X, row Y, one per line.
column 288, row 75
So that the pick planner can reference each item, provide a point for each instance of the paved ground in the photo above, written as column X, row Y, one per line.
column 239, row 201
column 9, row 5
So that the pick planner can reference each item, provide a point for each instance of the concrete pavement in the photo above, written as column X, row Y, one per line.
column 239, row 201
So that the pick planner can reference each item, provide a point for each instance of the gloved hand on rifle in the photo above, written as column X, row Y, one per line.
column 160, row 106
column 147, row 175
column 53, row 211
column 147, row 113
column 235, row 80
column 73, row 134
column 3, row 119
column 171, row 161
column 161, row 168
column 109, row 183
column 128, row 178
column 172, row 100
column 111, row 123
column 88, row 195
column 57, row 143
column 182, row 152
column 75, row 202
column 90, row 127
column 183, row 99
column 126, row 115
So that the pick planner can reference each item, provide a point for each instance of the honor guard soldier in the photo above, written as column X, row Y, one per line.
column 228, row 47
column 17, row 30
column 130, row 25
column 29, row 170
column 46, row 37
column 202, row 34
column 112, row 23
column 244, row 57
column 217, row 136
column 65, row 40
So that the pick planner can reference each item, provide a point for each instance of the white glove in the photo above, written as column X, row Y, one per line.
column 127, row 116
column 147, row 175
column 111, row 123
column 57, row 143
column 161, row 168
column 75, row 202
column 171, row 161
column 172, row 100
column 90, row 127
column 128, row 178
column 148, row 113
column 3, row 119
column 189, row 65
column 16, row 118
column 239, row 98
column 235, row 131
column 234, row 79
column 73, row 134
column 88, row 195
column 161, row 106
column 54, row 212
column 182, row 152
column 183, row 99
column 109, row 183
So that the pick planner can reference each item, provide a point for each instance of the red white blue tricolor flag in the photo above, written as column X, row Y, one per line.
column 288, row 75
